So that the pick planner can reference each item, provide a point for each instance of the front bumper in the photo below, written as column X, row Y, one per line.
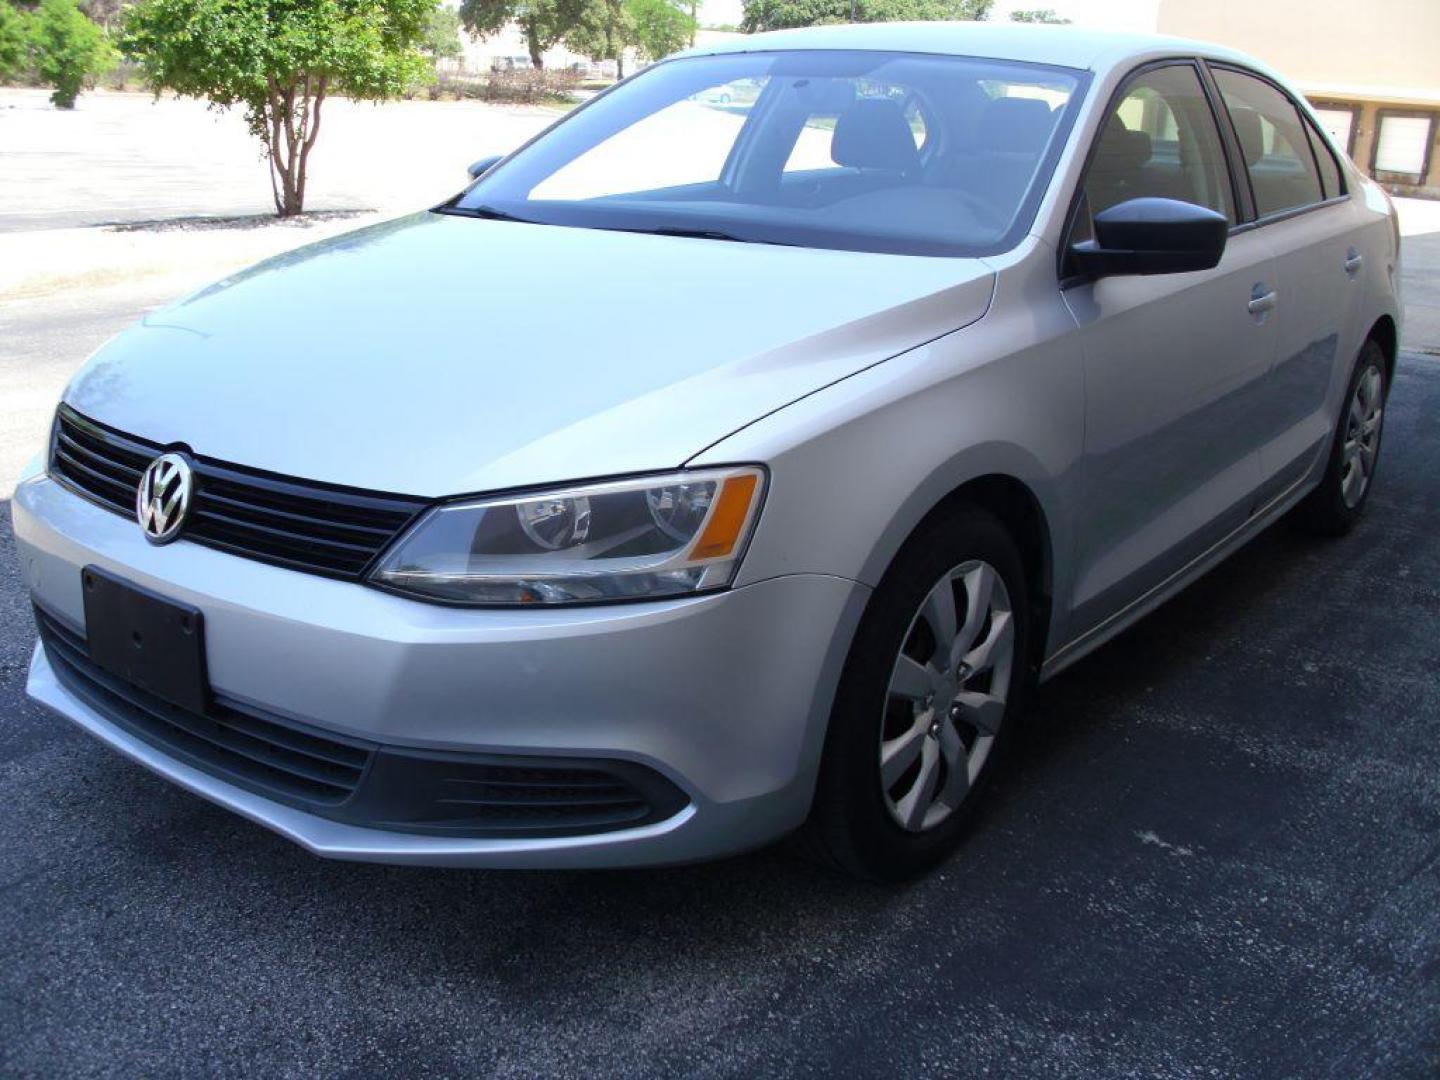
column 726, row 696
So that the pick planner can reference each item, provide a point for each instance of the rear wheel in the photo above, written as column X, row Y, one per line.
column 927, row 700
column 1334, row 507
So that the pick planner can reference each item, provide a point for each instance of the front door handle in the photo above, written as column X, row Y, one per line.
column 1262, row 299
column 1353, row 261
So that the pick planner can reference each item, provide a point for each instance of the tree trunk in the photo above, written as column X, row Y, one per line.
column 694, row 20
column 294, row 125
column 532, row 42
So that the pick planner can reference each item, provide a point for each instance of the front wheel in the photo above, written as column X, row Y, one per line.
column 1334, row 507
column 926, row 702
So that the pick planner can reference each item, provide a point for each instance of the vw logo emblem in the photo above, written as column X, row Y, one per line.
column 162, row 501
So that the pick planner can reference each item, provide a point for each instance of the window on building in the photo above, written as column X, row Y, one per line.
column 1402, row 144
column 1272, row 137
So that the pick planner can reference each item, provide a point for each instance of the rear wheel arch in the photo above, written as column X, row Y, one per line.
column 1385, row 334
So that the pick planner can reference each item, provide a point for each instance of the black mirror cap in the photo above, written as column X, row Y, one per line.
column 485, row 164
column 1153, row 236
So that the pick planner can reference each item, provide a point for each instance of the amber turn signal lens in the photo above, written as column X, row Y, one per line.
column 727, row 522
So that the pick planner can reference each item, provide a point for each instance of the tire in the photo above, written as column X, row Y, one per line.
column 857, row 823
column 1334, row 507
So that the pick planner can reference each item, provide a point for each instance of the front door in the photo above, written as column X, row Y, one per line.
column 1175, row 365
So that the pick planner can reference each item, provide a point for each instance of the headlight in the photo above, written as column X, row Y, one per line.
column 651, row 536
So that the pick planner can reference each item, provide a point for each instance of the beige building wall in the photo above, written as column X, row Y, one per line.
column 1381, row 43
column 1378, row 60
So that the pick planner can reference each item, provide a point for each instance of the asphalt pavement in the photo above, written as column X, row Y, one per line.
column 1217, row 854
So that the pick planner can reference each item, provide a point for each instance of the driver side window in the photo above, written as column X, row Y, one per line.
column 1160, row 140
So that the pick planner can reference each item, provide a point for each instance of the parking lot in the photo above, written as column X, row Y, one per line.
column 1217, row 854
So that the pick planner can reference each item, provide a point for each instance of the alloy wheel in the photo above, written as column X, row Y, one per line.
column 946, row 698
column 1362, row 436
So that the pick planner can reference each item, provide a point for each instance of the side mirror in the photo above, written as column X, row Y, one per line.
column 484, row 165
column 1152, row 236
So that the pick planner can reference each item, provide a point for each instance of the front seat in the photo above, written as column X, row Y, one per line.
column 1117, row 170
column 873, row 134
column 1012, row 135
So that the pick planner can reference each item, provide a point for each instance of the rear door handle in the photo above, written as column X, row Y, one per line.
column 1353, row 261
column 1262, row 299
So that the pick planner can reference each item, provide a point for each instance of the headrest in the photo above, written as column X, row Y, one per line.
column 873, row 134
column 1250, row 134
column 1122, row 149
column 1015, row 125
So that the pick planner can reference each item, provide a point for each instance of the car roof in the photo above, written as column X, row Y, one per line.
column 1059, row 46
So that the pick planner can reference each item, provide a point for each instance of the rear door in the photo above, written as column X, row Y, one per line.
column 1308, row 222
column 1175, row 364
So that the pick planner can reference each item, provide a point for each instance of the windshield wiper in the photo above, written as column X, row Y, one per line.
column 489, row 213
column 707, row 234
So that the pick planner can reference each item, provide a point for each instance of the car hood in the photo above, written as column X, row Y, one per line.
column 436, row 355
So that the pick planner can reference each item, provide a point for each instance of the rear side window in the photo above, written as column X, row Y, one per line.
column 1159, row 140
column 1329, row 169
column 1273, row 141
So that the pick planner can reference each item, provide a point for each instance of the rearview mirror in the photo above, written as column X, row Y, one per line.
column 484, row 165
column 1152, row 236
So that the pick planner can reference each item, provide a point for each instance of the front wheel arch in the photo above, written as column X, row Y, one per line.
column 1017, row 507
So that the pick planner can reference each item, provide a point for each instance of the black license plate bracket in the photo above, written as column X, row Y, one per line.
column 149, row 641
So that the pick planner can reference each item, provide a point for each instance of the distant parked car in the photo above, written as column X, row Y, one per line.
column 743, row 91
column 500, row 64
column 415, row 546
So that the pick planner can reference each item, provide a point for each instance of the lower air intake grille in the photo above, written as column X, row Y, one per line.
column 371, row 784
column 278, row 759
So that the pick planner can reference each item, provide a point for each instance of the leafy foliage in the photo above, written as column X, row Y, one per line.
column 67, row 48
column 660, row 27
column 655, row 27
column 545, row 23
column 104, row 12
column 1037, row 15
column 14, row 41
column 604, row 32
column 442, row 33
column 279, row 59
column 781, row 14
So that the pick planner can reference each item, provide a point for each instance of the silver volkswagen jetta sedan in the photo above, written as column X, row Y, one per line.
column 712, row 469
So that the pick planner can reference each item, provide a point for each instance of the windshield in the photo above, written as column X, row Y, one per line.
column 861, row 151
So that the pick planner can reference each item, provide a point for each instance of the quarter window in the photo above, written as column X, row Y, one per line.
column 1273, row 141
column 1329, row 169
column 1340, row 123
column 1160, row 140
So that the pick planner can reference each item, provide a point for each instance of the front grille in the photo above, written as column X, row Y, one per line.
column 369, row 784
column 300, row 524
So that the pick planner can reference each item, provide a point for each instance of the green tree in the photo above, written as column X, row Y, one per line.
column 545, row 23
column 660, row 27
column 104, row 12
column 280, row 60
column 14, row 41
column 781, row 14
column 67, row 48
column 604, row 32
column 442, row 34
column 1037, row 15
